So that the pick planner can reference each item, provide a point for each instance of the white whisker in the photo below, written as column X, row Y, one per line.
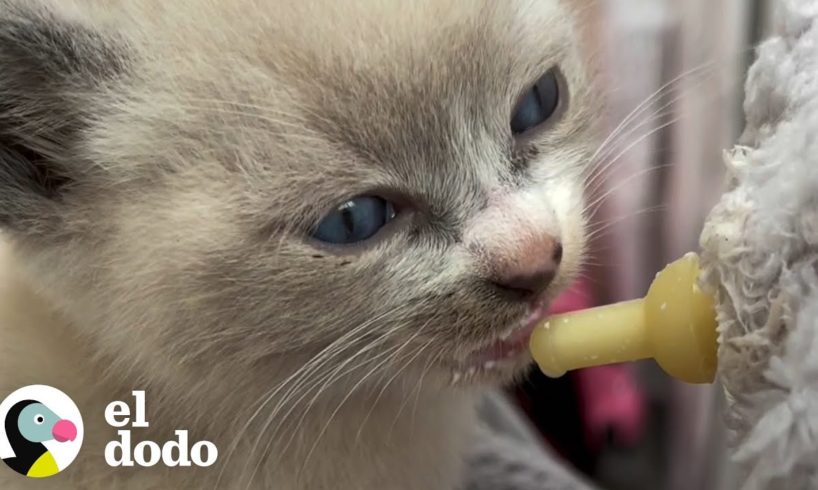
column 349, row 394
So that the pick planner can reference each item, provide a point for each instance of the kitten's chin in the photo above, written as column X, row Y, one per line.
column 491, row 372
column 503, row 358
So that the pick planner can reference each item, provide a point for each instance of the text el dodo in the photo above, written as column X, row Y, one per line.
column 149, row 453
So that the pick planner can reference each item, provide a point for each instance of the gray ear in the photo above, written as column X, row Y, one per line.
column 50, row 69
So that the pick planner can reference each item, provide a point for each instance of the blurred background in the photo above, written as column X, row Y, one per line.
column 671, row 72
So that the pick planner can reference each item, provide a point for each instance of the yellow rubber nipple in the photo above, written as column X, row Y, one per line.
column 675, row 324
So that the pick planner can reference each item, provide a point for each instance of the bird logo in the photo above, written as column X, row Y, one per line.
column 42, row 429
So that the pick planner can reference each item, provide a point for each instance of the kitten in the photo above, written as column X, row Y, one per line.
column 314, row 232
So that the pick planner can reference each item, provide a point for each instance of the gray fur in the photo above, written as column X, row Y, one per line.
column 508, row 455
column 51, row 71
column 163, row 163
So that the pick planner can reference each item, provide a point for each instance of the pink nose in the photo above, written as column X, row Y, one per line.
column 64, row 430
column 528, row 272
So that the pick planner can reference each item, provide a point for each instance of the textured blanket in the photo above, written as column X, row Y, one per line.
column 760, row 253
column 508, row 455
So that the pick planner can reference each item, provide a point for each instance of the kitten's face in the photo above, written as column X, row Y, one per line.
column 196, row 220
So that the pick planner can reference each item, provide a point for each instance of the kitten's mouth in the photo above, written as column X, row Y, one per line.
column 506, row 352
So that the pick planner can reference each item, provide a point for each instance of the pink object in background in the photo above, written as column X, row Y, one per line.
column 613, row 406
column 577, row 297
column 610, row 399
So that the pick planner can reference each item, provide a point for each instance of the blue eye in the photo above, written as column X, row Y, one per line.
column 355, row 220
column 537, row 105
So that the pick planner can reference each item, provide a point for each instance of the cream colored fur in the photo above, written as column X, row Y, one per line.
column 426, row 451
column 175, row 259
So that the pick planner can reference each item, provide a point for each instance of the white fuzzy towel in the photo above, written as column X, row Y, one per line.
column 760, row 253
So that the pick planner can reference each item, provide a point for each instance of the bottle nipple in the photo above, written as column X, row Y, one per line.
column 675, row 324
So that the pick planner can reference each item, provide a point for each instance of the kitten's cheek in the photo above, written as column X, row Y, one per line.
column 458, row 263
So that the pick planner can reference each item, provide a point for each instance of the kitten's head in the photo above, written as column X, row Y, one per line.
column 388, row 186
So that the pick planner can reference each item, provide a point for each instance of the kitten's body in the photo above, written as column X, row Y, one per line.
column 156, row 187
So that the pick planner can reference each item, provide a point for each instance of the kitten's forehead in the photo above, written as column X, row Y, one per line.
column 375, row 28
column 329, row 25
column 430, row 68
column 366, row 93
column 476, row 48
